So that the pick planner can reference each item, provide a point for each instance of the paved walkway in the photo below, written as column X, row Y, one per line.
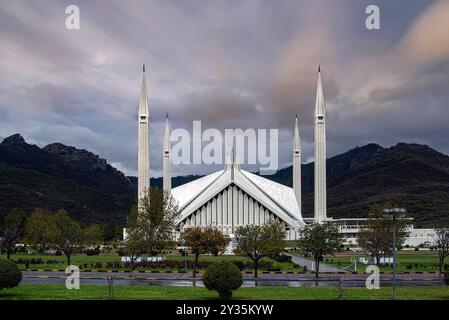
column 311, row 264
column 184, row 279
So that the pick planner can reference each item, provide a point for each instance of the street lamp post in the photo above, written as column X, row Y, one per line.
column 394, row 214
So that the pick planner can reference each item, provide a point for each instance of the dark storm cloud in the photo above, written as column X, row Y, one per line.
column 246, row 66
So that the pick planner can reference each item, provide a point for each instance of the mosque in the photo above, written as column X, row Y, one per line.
column 233, row 197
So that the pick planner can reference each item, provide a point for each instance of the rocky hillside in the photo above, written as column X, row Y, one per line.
column 412, row 176
column 59, row 176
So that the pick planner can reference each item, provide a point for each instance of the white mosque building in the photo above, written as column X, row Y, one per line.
column 233, row 197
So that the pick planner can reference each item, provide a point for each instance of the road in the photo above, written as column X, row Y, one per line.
column 310, row 264
column 183, row 279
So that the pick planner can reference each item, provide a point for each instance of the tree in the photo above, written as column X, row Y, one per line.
column 441, row 242
column 94, row 235
column 132, row 243
column 258, row 241
column 12, row 227
column 217, row 241
column 377, row 238
column 318, row 240
column 37, row 229
column 111, row 232
column 196, row 241
column 151, row 224
column 65, row 234
column 204, row 240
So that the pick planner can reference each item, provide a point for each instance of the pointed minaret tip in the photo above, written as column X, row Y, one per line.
column 143, row 67
column 319, row 68
column 166, row 115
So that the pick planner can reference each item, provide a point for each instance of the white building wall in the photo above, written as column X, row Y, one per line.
column 418, row 237
column 230, row 209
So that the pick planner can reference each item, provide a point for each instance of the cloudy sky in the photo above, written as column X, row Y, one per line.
column 251, row 65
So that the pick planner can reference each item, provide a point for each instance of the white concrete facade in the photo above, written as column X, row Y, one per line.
column 233, row 197
column 143, row 120
column 350, row 227
column 296, row 163
column 166, row 176
column 420, row 237
column 320, row 206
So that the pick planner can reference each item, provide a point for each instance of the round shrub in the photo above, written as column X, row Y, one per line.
column 223, row 277
column 10, row 275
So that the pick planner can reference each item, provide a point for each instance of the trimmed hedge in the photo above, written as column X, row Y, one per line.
column 174, row 264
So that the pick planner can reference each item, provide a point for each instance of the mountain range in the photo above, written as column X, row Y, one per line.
column 56, row 176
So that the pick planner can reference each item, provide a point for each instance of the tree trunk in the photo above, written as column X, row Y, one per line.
column 440, row 264
column 68, row 259
column 8, row 253
column 256, row 264
column 317, row 266
column 197, row 255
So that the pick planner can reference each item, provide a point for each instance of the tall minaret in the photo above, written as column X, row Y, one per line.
column 297, row 164
column 320, row 154
column 143, row 147
column 166, row 162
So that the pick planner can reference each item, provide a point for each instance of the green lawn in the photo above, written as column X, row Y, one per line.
column 103, row 258
column 410, row 261
column 78, row 259
column 94, row 292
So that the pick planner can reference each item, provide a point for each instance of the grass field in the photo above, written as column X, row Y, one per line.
column 103, row 258
column 412, row 261
column 97, row 292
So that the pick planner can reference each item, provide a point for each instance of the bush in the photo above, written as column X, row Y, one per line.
column 239, row 264
column 10, row 275
column 53, row 261
column 176, row 264
column 36, row 261
column 121, row 253
column 28, row 261
column 274, row 269
column 282, row 258
column 92, row 252
column 223, row 277
column 183, row 253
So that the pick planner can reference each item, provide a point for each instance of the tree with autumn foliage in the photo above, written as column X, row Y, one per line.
column 204, row 240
